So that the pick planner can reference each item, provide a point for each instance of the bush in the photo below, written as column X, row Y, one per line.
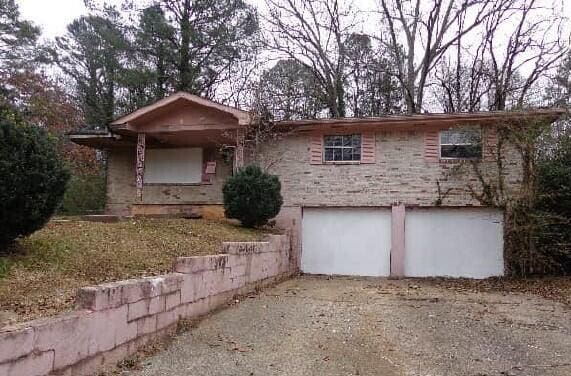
column 554, row 205
column 85, row 194
column 32, row 178
column 252, row 196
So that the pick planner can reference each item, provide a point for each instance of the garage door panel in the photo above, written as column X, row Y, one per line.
column 346, row 241
column 454, row 243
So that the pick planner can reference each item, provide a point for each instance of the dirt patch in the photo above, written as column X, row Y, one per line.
column 47, row 268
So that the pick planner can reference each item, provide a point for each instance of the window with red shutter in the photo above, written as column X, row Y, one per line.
column 431, row 153
column 352, row 148
column 316, row 149
column 368, row 148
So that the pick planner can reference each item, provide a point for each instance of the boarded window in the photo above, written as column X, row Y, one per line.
column 460, row 144
column 173, row 166
column 342, row 148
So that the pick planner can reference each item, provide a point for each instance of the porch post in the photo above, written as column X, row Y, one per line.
column 239, row 151
column 140, row 166
column 397, row 241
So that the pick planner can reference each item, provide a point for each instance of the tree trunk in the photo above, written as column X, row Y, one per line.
column 341, row 106
column 161, row 75
column 185, row 77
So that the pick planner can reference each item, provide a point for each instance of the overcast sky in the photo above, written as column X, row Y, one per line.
column 51, row 15
column 54, row 15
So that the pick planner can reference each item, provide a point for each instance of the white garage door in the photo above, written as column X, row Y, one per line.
column 346, row 241
column 454, row 243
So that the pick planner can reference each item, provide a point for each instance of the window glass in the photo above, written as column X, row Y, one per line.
column 460, row 144
column 342, row 148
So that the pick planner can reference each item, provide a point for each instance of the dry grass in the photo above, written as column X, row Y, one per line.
column 67, row 254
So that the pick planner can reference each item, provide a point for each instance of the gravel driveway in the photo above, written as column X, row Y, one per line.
column 342, row 326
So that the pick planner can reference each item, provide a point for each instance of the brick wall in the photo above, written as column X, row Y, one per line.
column 121, row 190
column 400, row 174
column 115, row 319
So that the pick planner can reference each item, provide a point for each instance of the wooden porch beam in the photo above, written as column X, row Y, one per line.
column 239, row 151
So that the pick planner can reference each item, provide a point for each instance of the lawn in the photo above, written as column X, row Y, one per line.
column 51, row 264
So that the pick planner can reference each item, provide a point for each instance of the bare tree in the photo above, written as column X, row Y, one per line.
column 288, row 91
column 536, row 44
column 312, row 32
column 431, row 28
column 372, row 89
column 462, row 78
column 462, row 87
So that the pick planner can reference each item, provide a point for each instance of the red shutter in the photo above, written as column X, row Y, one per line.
column 368, row 148
column 316, row 149
column 431, row 144
column 490, row 143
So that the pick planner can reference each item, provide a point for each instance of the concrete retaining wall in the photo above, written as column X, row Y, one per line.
column 113, row 320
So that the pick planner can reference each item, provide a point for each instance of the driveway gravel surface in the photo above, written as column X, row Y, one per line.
column 346, row 326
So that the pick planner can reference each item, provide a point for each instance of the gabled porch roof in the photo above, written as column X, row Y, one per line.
column 149, row 112
column 182, row 119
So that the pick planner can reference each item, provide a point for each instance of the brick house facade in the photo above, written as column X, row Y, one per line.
column 339, row 177
column 399, row 173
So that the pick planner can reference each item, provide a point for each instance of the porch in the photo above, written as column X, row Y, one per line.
column 170, row 158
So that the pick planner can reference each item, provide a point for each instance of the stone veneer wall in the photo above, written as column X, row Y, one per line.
column 400, row 174
column 122, row 192
column 113, row 320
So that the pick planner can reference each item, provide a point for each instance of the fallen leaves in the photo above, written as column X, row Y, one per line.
column 231, row 345
column 552, row 288
column 50, row 265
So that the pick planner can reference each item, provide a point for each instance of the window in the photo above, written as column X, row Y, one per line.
column 342, row 148
column 460, row 144
column 173, row 166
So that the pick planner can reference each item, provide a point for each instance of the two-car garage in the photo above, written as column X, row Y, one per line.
column 453, row 242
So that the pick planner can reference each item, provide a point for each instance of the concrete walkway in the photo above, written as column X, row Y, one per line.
column 316, row 326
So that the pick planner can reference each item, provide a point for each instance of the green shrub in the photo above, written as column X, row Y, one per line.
column 32, row 178
column 85, row 194
column 252, row 196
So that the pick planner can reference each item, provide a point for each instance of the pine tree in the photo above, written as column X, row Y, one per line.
column 92, row 53
column 211, row 36
column 18, row 38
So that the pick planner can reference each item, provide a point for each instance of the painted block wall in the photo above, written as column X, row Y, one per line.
column 114, row 320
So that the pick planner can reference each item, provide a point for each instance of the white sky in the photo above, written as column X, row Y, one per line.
column 53, row 16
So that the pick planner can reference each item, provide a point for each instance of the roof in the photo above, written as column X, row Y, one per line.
column 243, row 117
column 98, row 138
column 430, row 119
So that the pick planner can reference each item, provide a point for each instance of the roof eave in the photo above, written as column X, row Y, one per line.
column 550, row 115
column 95, row 139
